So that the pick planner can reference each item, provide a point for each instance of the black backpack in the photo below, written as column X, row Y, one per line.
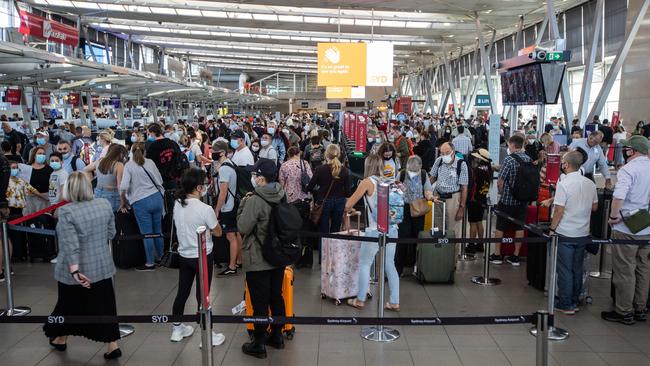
column 244, row 185
column 282, row 245
column 317, row 156
column 526, row 185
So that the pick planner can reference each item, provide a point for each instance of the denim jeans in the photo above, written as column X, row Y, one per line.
column 148, row 213
column 113, row 197
column 570, row 258
column 332, row 211
column 367, row 256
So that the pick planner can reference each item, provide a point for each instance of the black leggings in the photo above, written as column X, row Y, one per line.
column 187, row 271
column 265, row 288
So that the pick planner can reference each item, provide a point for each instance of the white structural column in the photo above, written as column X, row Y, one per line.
column 82, row 114
column 567, row 107
column 619, row 60
column 519, row 44
column 89, row 101
column 429, row 89
column 486, row 65
column 450, row 80
column 39, row 106
column 481, row 71
column 587, row 78
column 541, row 30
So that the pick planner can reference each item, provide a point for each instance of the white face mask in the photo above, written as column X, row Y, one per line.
column 508, row 151
column 264, row 143
column 413, row 174
column 253, row 182
column 204, row 191
column 447, row 158
column 370, row 139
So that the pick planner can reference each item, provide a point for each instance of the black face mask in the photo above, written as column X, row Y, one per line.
column 626, row 154
column 217, row 155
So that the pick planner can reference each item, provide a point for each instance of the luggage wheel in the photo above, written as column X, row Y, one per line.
column 291, row 333
column 337, row 302
column 322, row 296
column 370, row 295
column 589, row 300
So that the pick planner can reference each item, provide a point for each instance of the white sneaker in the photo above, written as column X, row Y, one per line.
column 217, row 339
column 181, row 331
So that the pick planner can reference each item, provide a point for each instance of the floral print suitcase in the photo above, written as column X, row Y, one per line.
column 340, row 266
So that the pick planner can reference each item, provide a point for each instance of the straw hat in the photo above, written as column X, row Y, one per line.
column 482, row 154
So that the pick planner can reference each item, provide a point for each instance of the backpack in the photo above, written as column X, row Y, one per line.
column 87, row 153
column 244, row 185
column 282, row 245
column 409, row 143
column 181, row 164
column 526, row 185
column 317, row 156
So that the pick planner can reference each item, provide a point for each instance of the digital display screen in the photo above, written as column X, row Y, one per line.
column 523, row 86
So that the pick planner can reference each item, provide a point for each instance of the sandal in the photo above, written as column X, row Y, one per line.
column 391, row 307
column 355, row 304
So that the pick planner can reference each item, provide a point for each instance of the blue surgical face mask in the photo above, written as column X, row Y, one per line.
column 14, row 172
column 40, row 158
column 40, row 140
column 271, row 130
column 234, row 144
column 134, row 139
column 151, row 138
column 56, row 165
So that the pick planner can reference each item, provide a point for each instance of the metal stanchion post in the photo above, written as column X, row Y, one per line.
column 603, row 253
column 380, row 333
column 554, row 333
column 125, row 329
column 11, row 309
column 485, row 280
column 463, row 256
column 205, row 311
column 542, row 327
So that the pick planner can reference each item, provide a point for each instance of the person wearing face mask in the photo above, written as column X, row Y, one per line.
column 391, row 165
column 631, row 263
column 71, row 163
column 462, row 142
column 41, row 139
column 534, row 149
column 190, row 214
column 166, row 155
column 255, row 149
column 242, row 155
column 264, row 280
column 16, row 195
column 280, row 141
column 81, row 146
column 57, row 178
column 425, row 150
column 575, row 199
column 267, row 151
column 403, row 146
column 417, row 187
column 451, row 177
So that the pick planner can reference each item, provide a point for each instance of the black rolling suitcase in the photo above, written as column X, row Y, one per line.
column 220, row 250
column 41, row 246
column 536, row 263
column 127, row 253
column 309, row 243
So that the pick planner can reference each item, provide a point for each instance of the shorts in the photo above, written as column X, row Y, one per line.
column 228, row 221
column 517, row 212
column 475, row 211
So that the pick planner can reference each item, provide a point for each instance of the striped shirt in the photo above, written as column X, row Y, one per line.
column 462, row 144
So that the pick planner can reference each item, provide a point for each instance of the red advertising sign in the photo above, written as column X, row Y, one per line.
column 616, row 118
column 552, row 168
column 346, row 124
column 45, row 97
column 362, row 135
column 95, row 101
column 74, row 99
column 14, row 96
column 353, row 126
column 383, row 191
column 36, row 26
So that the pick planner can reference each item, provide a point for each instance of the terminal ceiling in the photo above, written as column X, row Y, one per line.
column 280, row 35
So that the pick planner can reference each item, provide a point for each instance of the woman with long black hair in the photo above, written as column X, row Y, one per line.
column 189, row 214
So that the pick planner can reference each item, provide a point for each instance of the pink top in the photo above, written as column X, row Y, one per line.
column 290, row 179
column 553, row 148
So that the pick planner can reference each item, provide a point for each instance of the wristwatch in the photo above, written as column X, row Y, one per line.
column 74, row 273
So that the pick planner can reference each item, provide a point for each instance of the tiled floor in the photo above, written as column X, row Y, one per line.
column 593, row 342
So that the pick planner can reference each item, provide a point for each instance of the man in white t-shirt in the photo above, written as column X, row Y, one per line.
column 575, row 199
column 242, row 155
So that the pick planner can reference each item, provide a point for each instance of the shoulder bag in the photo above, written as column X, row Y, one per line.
column 317, row 209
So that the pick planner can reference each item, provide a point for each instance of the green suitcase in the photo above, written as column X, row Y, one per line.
column 436, row 263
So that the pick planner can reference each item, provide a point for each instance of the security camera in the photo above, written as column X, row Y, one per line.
column 496, row 65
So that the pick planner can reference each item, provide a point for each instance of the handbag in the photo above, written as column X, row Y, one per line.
column 304, row 178
column 419, row 207
column 637, row 221
column 171, row 258
column 317, row 209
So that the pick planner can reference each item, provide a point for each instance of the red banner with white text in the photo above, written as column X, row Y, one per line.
column 36, row 26
column 14, row 96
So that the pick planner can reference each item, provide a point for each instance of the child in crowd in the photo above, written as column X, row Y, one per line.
column 57, row 179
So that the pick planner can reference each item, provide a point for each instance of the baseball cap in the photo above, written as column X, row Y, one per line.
column 638, row 143
column 264, row 167
column 238, row 134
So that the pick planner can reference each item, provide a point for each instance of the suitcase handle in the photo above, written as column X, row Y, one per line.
column 444, row 217
column 347, row 217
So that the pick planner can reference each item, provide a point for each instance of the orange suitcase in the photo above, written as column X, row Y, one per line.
column 287, row 295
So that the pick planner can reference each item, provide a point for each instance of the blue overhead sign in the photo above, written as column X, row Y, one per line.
column 482, row 101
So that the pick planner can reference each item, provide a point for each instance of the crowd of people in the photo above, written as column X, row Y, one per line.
column 226, row 174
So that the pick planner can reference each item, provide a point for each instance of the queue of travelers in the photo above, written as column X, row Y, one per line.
column 226, row 174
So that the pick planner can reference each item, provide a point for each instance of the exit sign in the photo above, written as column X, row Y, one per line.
column 554, row 56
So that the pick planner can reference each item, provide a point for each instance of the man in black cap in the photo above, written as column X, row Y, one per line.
column 264, row 280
